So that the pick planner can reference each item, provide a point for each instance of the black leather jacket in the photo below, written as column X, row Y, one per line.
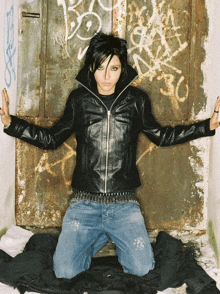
column 106, row 139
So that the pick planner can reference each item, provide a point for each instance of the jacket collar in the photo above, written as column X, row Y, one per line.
column 82, row 78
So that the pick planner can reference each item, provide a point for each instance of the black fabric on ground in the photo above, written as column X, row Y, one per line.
column 32, row 270
column 4, row 260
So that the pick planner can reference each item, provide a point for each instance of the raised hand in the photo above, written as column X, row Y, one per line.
column 4, row 111
column 214, row 123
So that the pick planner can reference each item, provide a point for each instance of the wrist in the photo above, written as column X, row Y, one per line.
column 7, row 126
column 7, row 123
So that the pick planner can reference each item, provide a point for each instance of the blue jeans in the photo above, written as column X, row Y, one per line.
column 87, row 226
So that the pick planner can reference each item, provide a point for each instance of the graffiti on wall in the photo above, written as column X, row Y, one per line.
column 146, row 31
column 9, row 47
column 90, row 20
column 156, row 36
column 157, row 39
column 45, row 164
column 159, row 47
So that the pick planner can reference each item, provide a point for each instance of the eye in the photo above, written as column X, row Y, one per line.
column 100, row 68
column 115, row 68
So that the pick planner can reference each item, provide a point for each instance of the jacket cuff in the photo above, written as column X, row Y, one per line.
column 207, row 128
column 16, row 127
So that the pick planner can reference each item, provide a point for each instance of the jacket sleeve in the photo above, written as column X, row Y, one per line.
column 44, row 138
column 167, row 136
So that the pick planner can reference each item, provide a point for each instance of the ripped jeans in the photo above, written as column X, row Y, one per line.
column 87, row 226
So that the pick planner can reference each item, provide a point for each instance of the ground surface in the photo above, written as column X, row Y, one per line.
column 204, row 254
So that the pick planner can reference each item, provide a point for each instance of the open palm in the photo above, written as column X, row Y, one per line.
column 214, row 123
column 4, row 111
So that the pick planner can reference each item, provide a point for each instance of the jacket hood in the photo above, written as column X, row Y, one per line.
column 82, row 78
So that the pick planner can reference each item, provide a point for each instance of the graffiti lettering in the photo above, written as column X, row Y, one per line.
column 149, row 150
column 45, row 165
column 74, row 21
column 156, row 41
column 10, row 49
column 88, row 19
column 172, row 92
column 147, row 31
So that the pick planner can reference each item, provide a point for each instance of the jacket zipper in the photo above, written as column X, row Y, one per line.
column 108, row 128
column 107, row 146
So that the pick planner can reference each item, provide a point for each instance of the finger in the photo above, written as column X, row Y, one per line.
column 5, row 94
column 2, row 113
column 217, row 125
column 217, row 104
column 5, row 102
column 3, row 98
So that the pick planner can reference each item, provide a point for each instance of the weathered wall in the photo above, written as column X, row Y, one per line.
column 211, row 69
column 165, row 45
column 51, row 52
column 8, row 79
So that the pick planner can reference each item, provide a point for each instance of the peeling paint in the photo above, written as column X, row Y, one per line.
column 20, row 198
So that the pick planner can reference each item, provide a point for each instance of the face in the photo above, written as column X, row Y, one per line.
column 107, row 75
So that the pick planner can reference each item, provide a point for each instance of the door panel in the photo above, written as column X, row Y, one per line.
column 165, row 45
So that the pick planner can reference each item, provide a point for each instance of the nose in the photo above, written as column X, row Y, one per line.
column 107, row 74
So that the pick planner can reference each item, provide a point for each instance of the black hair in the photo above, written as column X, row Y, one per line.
column 102, row 46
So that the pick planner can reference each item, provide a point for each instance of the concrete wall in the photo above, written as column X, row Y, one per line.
column 211, row 69
column 8, row 80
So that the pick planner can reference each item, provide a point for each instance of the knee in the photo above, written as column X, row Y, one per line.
column 141, row 270
column 63, row 270
column 63, row 273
